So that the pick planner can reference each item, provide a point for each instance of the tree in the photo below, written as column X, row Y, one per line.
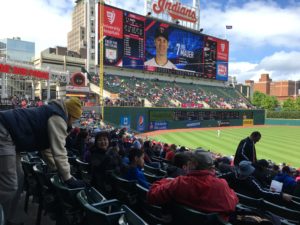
column 269, row 102
column 297, row 104
column 289, row 105
column 258, row 98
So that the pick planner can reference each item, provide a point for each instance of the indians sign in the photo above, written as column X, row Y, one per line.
column 175, row 10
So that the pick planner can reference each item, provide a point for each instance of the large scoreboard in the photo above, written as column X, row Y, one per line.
column 129, row 43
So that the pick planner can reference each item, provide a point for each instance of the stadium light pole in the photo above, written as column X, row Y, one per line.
column 101, row 69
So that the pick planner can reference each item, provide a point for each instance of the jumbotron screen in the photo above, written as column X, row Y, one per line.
column 137, row 42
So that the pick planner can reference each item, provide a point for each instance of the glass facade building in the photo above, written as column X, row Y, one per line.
column 17, row 50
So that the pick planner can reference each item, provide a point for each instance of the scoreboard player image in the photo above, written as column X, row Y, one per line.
column 161, row 42
column 180, row 49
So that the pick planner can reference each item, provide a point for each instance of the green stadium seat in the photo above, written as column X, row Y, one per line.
column 69, row 211
column 155, row 214
column 124, row 190
column 188, row 216
column 2, row 219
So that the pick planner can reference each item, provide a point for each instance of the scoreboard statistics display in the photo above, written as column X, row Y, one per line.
column 129, row 43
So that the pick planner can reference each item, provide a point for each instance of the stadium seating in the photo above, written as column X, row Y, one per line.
column 44, row 190
column 30, row 182
column 167, row 93
column 83, row 170
column 106, row 212
column 290, row 215
column 2, row 219
column 154, row 214
column 154, row 170
column 70, row 213
column 151, row 178
column 124, row 190
column 188, row 216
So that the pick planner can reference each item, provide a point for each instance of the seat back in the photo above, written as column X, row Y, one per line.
column 91, row 196
column 188, row 216
column 83, row 170
column 65, row 194
column 249, row 201
column 104, row 212
column 292, row 216
column 2, row 220
column 153, row 170
column 151, row 178
column 125, row 190
column 130, row 217
column 152, row 213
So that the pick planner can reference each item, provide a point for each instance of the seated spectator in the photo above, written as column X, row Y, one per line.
column 180, row 165
column 286, row 178
column 171, row 153
column 224, row 165
column 134, row 171
column 164, row 151
column 100, row 162
column 199, row 189
column 262, row 172
column 243, row 181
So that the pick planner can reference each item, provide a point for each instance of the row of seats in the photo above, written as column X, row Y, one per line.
column 126, row 203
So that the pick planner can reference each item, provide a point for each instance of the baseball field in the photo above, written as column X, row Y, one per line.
column 278, row 143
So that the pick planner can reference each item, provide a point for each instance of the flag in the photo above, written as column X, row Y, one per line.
column 228, row 26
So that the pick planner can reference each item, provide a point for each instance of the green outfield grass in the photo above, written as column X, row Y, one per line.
column 278, row 143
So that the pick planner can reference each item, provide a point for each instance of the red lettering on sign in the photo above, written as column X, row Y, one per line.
column 175, row 10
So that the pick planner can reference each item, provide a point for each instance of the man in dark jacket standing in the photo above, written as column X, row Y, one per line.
column 34, row 129
column 246, row 149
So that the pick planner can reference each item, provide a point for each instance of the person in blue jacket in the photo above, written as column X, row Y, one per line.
column 136, row 163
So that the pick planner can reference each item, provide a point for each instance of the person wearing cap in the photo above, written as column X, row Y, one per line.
column 242, row 180
column 42, row 129
column 161, row 42
column 246, row 149
column 200, row 189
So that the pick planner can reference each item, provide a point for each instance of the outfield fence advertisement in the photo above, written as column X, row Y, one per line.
column 129, row 42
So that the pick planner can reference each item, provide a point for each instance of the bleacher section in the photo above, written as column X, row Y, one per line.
column 133, row 91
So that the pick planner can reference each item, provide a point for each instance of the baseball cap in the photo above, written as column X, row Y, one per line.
column 245, row 169
column 162, row 31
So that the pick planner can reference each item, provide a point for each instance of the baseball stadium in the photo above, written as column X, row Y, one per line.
column 149, row 129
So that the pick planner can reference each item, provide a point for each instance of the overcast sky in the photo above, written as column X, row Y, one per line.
column 265, row 37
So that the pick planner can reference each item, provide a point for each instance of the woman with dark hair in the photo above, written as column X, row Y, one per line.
column 100, row 162
column 136, row 163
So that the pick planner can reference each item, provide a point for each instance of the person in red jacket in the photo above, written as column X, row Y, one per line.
column 200, row 189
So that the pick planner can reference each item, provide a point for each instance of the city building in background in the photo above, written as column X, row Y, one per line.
column 282, row 90
column 15, row 50
column 81, row 38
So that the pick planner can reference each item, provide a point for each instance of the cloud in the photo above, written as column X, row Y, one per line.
column 280, row 66
column 45, row 22
column 255, row 23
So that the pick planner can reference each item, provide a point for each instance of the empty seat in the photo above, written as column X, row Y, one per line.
column 70, row 213
column 124, row 190
column 188, row 216
column 83, row 170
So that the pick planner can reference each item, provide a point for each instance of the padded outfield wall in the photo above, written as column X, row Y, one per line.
column 149, row 119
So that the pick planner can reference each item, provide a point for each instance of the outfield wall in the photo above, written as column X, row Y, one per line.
column 149, row 119
column 287, row 122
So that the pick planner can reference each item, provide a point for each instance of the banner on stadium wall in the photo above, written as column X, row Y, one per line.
column 140, row 123
column 223, row 123
column 222, row 71
column 158, row 125
column 192, row 125
column 247, row 122
column 125, row 122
